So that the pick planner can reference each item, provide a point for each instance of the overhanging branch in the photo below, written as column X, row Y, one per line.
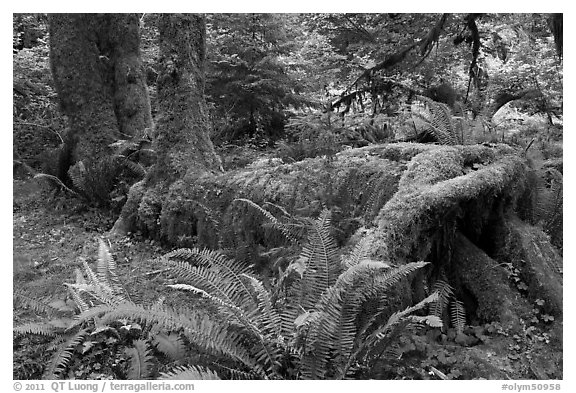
column 425, row 44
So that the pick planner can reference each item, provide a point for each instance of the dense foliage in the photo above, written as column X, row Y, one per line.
column 301, row 247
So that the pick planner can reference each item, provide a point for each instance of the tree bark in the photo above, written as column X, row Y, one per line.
column 131, row 100
column 81, row 81
column 99, row 79
column 183, row 139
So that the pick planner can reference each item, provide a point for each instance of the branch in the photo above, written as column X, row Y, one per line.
column 502, row 98
column 361, row 29
column 425, row 45
column 350, row 96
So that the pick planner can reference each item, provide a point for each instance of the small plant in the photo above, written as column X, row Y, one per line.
column 438, row 123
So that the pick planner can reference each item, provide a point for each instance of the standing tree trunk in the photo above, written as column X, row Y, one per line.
column 183, row 147
column 182, row 141
column 100, row 82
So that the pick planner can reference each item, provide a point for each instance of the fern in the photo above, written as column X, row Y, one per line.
column 54, row 181
column 106, row 267
column 448, row 307
column 96, row 180
column 315, row 327
column 284, row 228
column 458, row 315
column 40, row 306
column 63, row 355
column 359, row 253
column 321, row 259
column 190, row 373
column 213, row 273
column 334, row 329
column 215, row 337
column 42, row 329
column 100, row 287
column 170, row 345
column 445, row 294
column 438, row 122
column 140, row 360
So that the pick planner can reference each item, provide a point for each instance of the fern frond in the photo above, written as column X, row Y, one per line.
column 170, row 345
column 233, row 373
column 63, row 355
column 80, row 303
column 398, row 316
column 213, row 273
column 106, row 268
column 549, row 201
column 42, row 329
column 440, row 122
column 91, row 314
column 389, row 278
column 192, row 373
column 266, row 354
column 200, row 329
column 268, row 318
column 382, row 339
column 359, row 252
column 445, row 293
column 458, row 315
column 322, row 264
column 133, row 168
column 77, row 173
column 54, row 181
column 230, row 309
column 277, row 224
column 40, row 306
column 140, row 360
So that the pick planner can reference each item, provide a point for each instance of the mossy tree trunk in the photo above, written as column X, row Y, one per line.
column 182, row 130
column 100, row 81
column 183, row 146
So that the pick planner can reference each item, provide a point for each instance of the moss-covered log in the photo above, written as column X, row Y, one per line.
column 453, row 206
column 357, row 183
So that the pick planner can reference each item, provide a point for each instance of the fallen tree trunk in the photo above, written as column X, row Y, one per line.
column 444, row 204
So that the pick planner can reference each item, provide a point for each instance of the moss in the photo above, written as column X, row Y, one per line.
column 397, row 152
column 149, row 210
column 489, row 284
column 540, row 266
column 421, row 205
column 433, row 166
column 129, row 217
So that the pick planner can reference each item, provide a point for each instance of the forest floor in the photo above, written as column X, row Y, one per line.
column 50, row 236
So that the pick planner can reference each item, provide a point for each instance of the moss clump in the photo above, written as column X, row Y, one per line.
column 437, row 186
